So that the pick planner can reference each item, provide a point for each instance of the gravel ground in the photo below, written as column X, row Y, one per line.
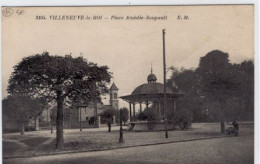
column 43, row 142
column 238, row 150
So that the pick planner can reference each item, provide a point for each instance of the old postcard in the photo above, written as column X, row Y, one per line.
column 128, row 84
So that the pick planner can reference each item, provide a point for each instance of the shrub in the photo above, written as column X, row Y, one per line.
column 148, row 115
column 180, row 120
column 92, row 120
column 125, row 114
column 108, row 114
column 142, row 116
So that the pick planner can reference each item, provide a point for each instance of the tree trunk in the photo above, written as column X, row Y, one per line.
column 222, row 118
column 80, row 125
column 222, row 125
column 22, row 128
column 95, row 113
column 36, row 124
column 59, row 121
column 51, row 127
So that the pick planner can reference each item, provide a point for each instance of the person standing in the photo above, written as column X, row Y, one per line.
column 109, row 125
column 235, row 125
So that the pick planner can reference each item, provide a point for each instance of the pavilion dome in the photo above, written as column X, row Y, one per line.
column 151, row 88
column 151, row 78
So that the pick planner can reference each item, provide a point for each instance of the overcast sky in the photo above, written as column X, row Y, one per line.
column 129, row 47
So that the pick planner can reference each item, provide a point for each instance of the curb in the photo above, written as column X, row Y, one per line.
column 114, row 148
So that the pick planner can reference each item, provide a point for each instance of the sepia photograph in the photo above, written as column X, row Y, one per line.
column 128, row 84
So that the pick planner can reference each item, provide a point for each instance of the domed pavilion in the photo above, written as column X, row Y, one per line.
column 151, row 92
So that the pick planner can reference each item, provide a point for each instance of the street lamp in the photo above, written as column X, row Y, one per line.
column 80, row 105
column 121, row 139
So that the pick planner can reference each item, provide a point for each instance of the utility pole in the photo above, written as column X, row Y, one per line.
column 164, row 86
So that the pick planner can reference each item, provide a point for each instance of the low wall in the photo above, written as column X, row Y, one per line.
column 146, row 126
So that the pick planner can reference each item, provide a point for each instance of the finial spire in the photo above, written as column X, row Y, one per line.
column 151, row 78
column 151, row 68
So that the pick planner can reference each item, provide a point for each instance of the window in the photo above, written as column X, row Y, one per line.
column 115, row 95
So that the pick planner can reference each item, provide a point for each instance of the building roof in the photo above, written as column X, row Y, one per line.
column 150, row 88
column 113, row 87
column 151, row 91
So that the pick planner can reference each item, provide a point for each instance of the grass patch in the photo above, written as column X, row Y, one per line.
column 34, row 142
column 77, row 144
column 10, row 148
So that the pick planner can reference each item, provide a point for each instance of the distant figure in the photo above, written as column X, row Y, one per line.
column 235, row 125
column 109, row 125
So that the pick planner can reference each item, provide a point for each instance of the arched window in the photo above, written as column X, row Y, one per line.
column 115, row 95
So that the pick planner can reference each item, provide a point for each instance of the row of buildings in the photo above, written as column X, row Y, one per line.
column 73, row 116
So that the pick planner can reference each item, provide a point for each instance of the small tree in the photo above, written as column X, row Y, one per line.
column 125, row 115
column 22, row 109
column 108, row 114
